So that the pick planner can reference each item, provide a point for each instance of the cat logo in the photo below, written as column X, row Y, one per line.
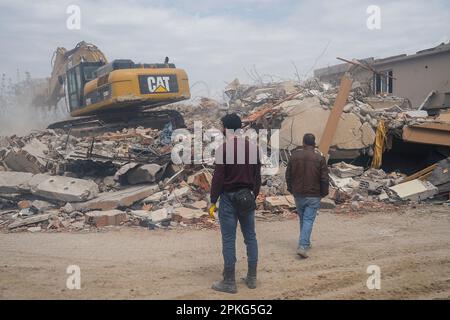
column 158, row 84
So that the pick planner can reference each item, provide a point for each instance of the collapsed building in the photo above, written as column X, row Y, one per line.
column 53, row 180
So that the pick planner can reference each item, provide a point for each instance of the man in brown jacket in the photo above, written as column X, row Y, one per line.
column 307, row 179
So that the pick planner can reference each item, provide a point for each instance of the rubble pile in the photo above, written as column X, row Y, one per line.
column 52, row 180
column 297, row 110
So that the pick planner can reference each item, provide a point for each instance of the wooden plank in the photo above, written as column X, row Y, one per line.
column 270, row 108
column 421, row 173
column 430, row 134
column 333, row 119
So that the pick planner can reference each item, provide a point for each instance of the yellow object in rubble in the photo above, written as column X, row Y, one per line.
column 380, row 141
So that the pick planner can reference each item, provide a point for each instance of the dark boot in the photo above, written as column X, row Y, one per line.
column 228, row 284
column 250, row 280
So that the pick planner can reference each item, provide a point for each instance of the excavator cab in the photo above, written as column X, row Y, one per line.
column 76, row 78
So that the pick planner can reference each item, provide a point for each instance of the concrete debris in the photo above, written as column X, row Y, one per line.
column 15, row 182
column 28, row 159
column 287, row 201
column 51, row 180
column 118, row 199
column 326, row 203
column 24, row 204
column 157, row 197
column 440, row 176
column 42, row 206
column 187, row 215
column 34, row 229
column 65, row 189
column 105, row 218
column 201, row 180
column 27, row 221
column 179, row 193
column 415, row 190
column 202, row 204
column 156, row 216
column 345, row 170
column 145, row 174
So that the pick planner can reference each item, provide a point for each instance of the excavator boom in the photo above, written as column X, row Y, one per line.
column 63, row 59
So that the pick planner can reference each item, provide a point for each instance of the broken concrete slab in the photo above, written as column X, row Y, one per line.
column 65, row 189
column 31, row 220
column 277, row 201
column 306, row 116
column 326, row 203
column 348, row 134
column 415, row 190
column 156, row 197
column 184, row 214
column 346, row 170
column 105, row 218
column 15, row 182
column 42, row 206
column 368, row 134
column 34, row 229
column 202, row 204
column 153, row 216
column 202, row 180
column 117, row 199
column 441, row 174
column 179, row 193
column 122, row 172
column 145, row 174
column 30, row 158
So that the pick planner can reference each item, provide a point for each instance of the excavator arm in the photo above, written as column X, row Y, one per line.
column 61, row 60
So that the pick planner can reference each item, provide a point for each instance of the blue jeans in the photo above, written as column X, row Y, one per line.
column 228, row 219
column 306, row 209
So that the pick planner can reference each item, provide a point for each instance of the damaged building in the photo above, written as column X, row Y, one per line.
column 53, row 180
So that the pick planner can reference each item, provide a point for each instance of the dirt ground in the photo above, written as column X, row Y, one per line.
column 411, row 247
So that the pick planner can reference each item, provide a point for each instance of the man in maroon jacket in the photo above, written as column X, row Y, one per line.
column 237, row 167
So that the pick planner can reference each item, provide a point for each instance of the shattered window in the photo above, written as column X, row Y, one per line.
column 384, row 82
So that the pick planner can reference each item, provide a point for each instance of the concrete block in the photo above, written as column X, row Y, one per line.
column 30, row 158
column 31, row 220
column 179, row 193
column 286, row 201
column 415, row 190
column 15, row 182
column 187, row 214
column 105, row 218
column 202, row 204
column 154, row 216
column 42, row 206
column 156, row 197
column 202, row 180
column 146, row 173
column 64, row 189
column 117, row 199
column 326, row 203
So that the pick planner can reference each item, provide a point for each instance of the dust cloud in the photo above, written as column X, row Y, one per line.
column 19, row 117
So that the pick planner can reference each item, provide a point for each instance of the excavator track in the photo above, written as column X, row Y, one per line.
column 111, row 122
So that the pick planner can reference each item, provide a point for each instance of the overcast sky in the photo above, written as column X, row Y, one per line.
column 217, row 41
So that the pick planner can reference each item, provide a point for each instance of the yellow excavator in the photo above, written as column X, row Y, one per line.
column 106, row 96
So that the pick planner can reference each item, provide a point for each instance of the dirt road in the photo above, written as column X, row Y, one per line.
column 411, row 247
